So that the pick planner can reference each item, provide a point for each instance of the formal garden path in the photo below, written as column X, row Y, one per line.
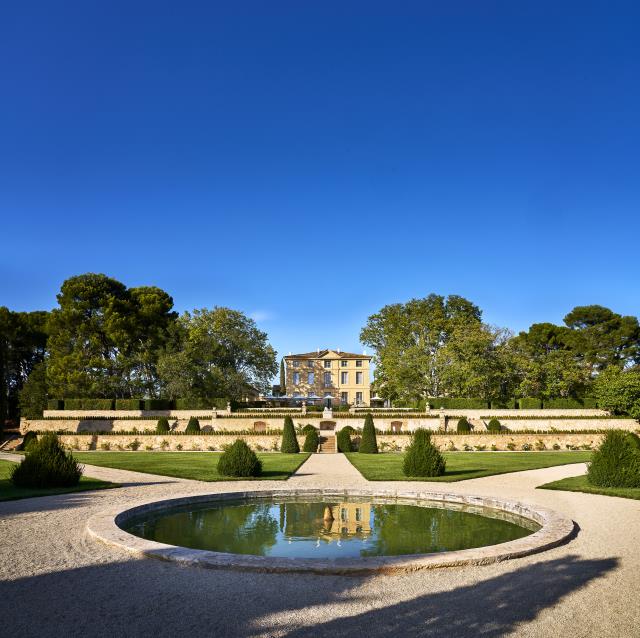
column 54, row 580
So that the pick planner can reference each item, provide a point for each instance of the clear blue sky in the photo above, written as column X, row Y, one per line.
column 308, row 163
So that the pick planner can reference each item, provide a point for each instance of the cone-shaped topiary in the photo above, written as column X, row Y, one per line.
column 422, row 457
column 238, row 459
column 162, row 427
column 29, row 438
column 311, row 441
column 368, row 442
column 464, row 427
column 193, row 427
column 289, row 443
column 46, row 464
column 308, row 428
column 494, row 425
column 616, row 463
column 343, row 439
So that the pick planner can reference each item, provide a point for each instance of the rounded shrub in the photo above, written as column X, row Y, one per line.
column 162, row 427
column 463, row 427
column 47, row 464
column 494, row 425
column 193, row 427
column 311, row 441
column 368, row 442
column 422, row 457
column 634, row 439
column 289, row 443
column 238, row 459
column 343, row 439
column 29, row 438
column 616, row 463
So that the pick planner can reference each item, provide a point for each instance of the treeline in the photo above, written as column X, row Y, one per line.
column 105, row 340
column 440, row 347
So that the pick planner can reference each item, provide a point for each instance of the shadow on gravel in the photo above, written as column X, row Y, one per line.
column 152, row 598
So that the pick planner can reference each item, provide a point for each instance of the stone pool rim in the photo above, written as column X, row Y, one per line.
column 555, row 529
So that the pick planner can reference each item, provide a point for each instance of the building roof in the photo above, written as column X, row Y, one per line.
column 319, row 354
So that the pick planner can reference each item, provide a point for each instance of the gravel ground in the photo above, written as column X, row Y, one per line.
column 57, row 582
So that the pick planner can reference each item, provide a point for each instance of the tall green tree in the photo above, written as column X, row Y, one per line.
column 601, row 338
column 407, row 340
column 23, row 338
column 619, row 391
column 105, row 339
column 217, row 353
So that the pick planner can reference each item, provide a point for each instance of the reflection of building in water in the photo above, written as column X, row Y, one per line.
column 349, row 519
column 325, row 520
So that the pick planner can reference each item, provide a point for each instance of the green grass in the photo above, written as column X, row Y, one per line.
column 9, row 492
column 580, row 484
column 201, row 466
column 463, row 465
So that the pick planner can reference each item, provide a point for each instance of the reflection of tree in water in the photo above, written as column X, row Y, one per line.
column 238, row 529
column 402, row 529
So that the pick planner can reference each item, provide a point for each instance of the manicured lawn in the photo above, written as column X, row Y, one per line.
column 201, row 466
column 463, row 465
column 8, row 492
column 580, row 484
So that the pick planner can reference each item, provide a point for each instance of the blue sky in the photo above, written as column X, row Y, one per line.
column 308, row 163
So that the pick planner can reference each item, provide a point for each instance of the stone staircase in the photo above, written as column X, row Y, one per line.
column 327, row 444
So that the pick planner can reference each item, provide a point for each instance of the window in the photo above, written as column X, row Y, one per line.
column 358, row 398
column 344, row 377
column 358, row 513
column 296, row 378
column 344, row 363
column 327, row 364
column 358, row 378
column 296, row 364
column 327, row 379
column 297, row 394
column 344, row 397
column 359, row 363
column 309, row 364
column 343, row 514
column 311, row 378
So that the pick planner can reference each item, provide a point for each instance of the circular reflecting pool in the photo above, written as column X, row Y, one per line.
column 349, row 527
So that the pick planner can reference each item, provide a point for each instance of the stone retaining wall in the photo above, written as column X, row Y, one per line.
column 276, row 423
column 266, row 443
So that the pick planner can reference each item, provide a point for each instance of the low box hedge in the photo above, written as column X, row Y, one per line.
column 569, row 404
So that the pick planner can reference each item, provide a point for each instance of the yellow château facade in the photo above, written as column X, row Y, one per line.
column 341, row 376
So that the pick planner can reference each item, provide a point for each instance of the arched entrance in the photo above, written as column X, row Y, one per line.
column 259, row 426
column 328, row 426
column 396, row 426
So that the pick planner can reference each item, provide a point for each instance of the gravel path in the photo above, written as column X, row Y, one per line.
column 56, row 582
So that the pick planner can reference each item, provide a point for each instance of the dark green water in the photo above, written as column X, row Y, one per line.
column 354, row 527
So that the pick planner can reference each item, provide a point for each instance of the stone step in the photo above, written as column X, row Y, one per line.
column 327, row 445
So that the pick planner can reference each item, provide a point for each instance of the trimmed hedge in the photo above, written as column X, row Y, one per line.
column 311, row 441
column 368, row 441
column 202, row 404
column 46, row 464
column 128, row 404
column 193, row 426
column 529, row 403
column 494, row 426
column 306, row 429
column 239, row 459
column 504, row 404
column 343, row 439
column 616, row 463
column 454, row 403
column 463, row 427
column 422, row 457
column 289, row 443
column 28, row 438
column 569, row 404
column 55, row 404
column 162, row 427
column 158, row 404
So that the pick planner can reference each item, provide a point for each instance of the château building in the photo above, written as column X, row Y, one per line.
column 342, row 377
